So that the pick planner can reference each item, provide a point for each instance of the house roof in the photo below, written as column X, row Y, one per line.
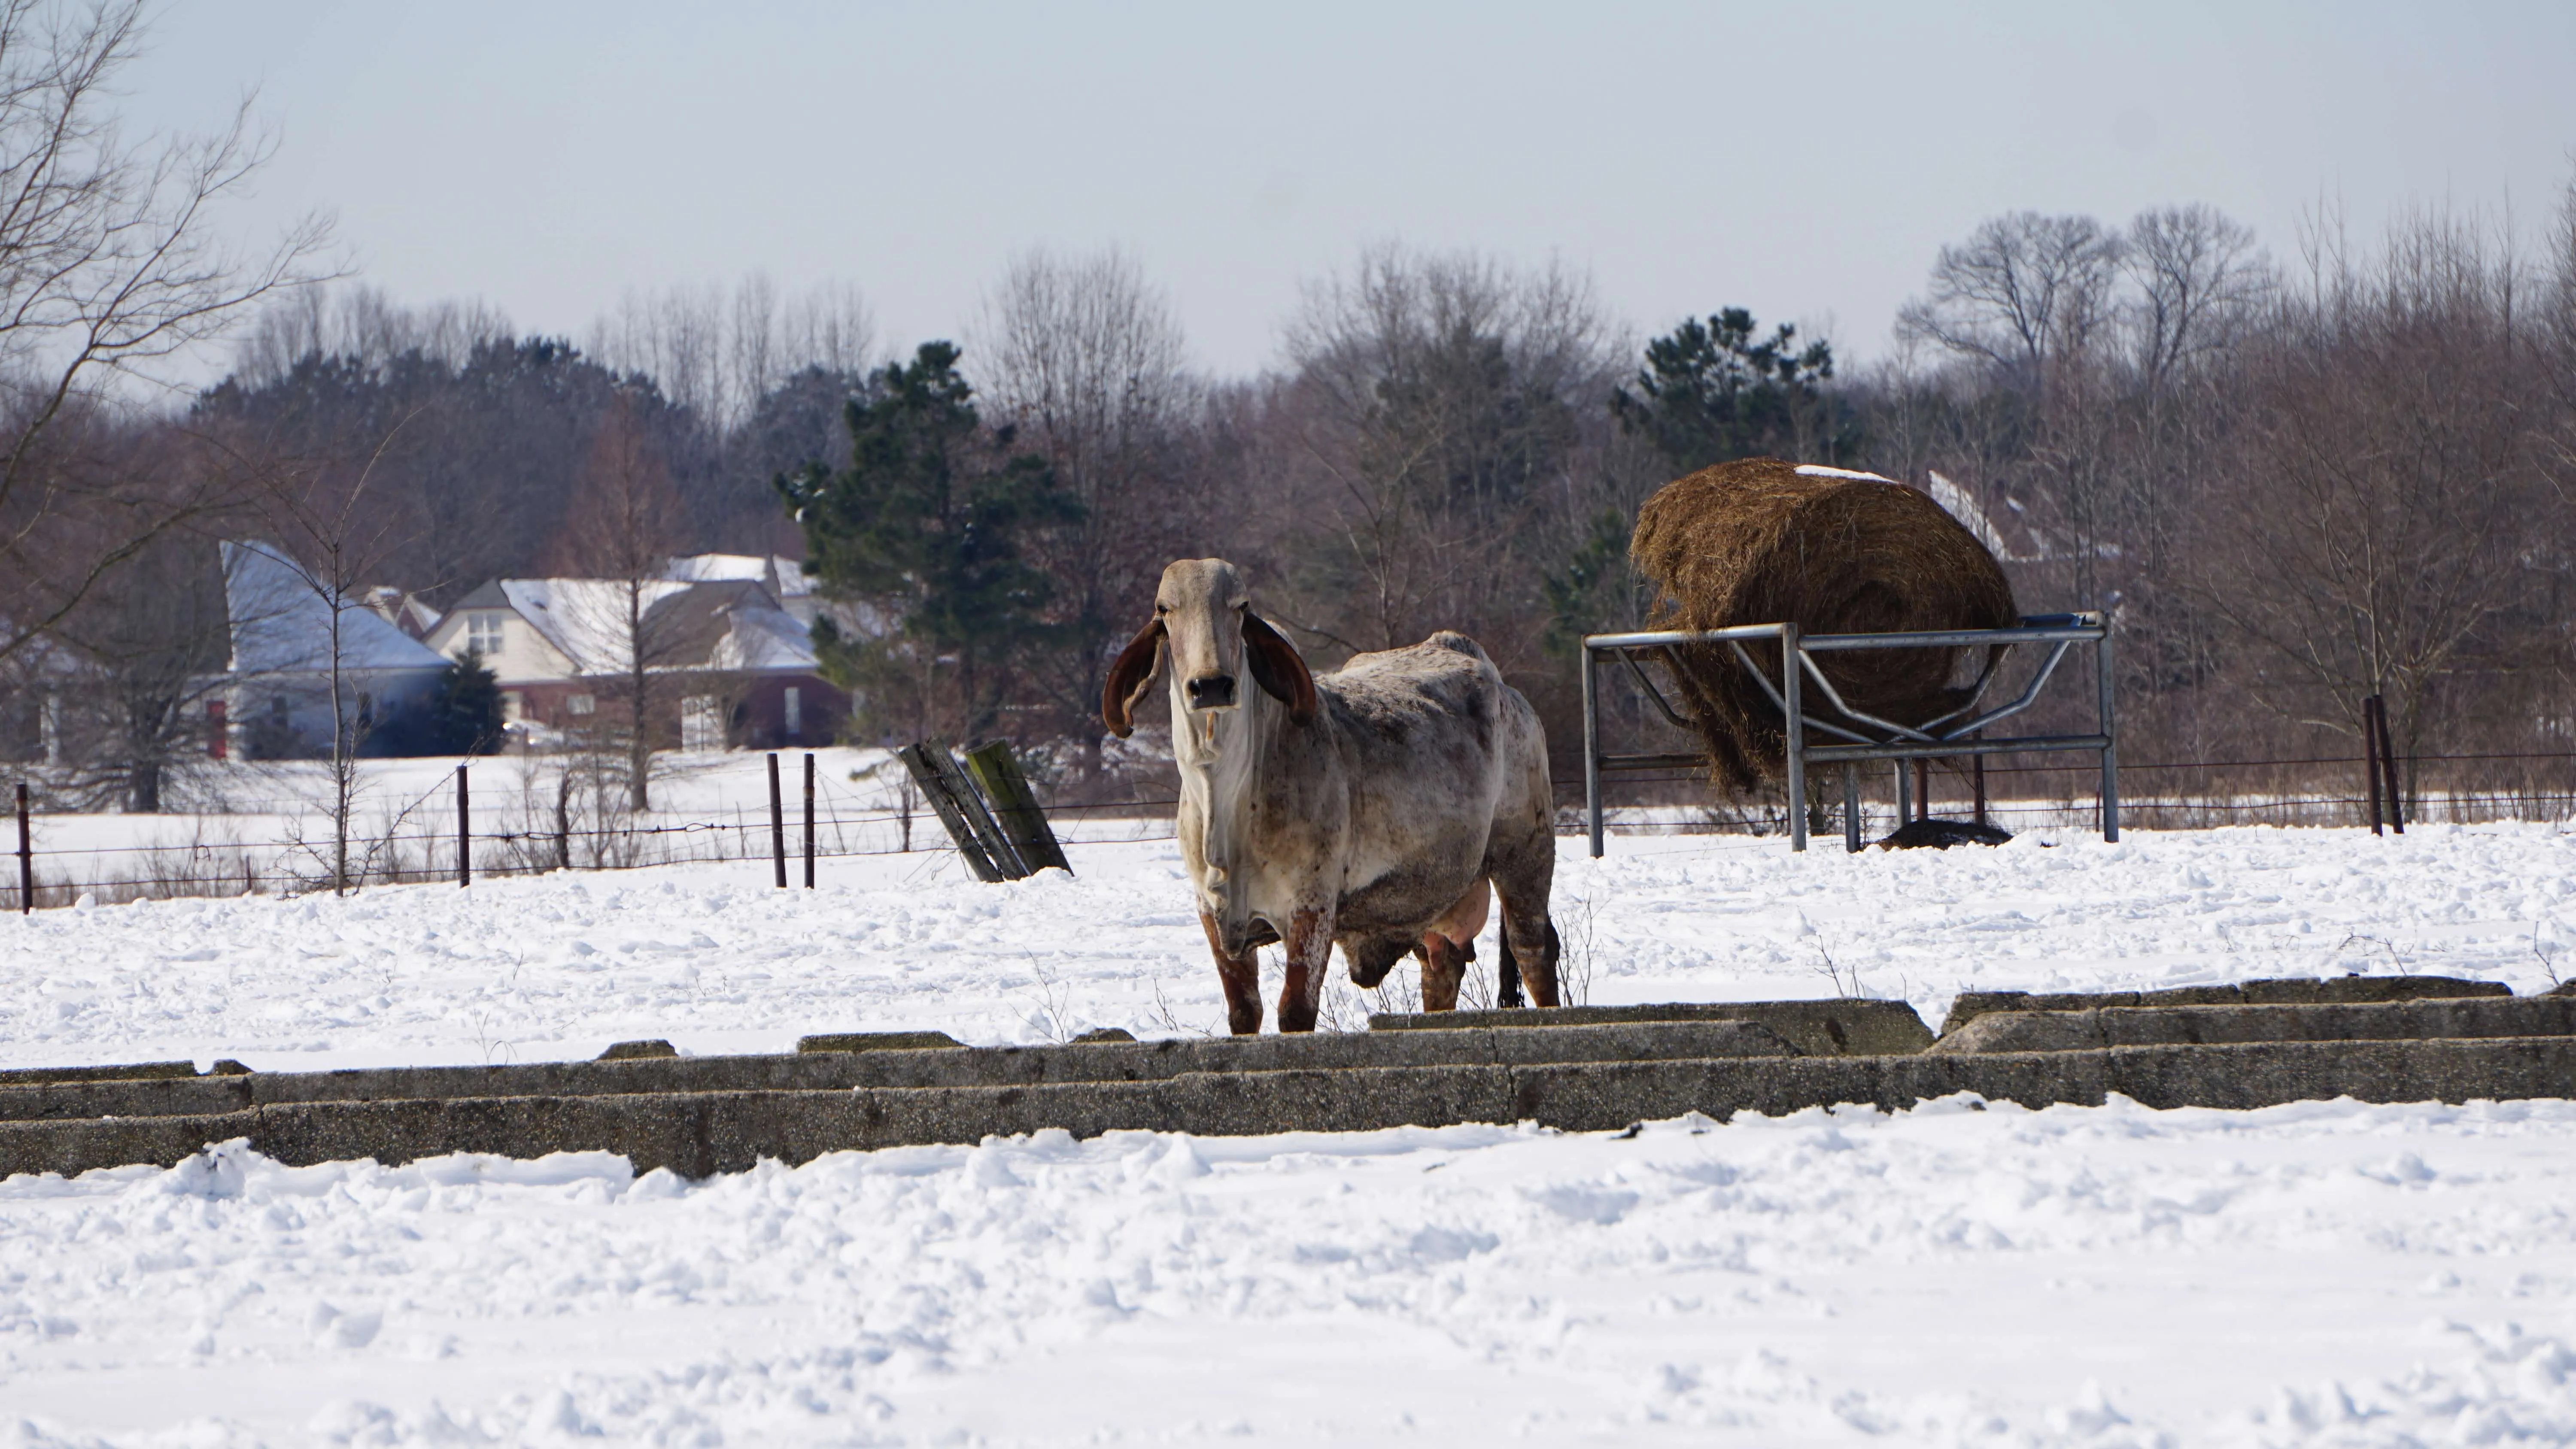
column 585, row 619
column 727, row 624
column 281, row 623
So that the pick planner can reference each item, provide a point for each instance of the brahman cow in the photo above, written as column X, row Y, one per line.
column 1370, row 807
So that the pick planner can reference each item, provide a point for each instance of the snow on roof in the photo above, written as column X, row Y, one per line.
column 281, row 623
column 585, row 619
column 793, row 581
column 709, row 568
column 764, row 638
column 1819, row 470
column 1955, row 501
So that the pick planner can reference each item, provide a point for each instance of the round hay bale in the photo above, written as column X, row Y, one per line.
column 1760, row 542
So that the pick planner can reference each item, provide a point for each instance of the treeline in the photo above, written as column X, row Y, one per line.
column 2295, row 483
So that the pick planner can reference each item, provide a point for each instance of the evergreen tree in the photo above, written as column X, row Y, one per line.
column 465, row 709
column 1711, row 393
column 927, row 526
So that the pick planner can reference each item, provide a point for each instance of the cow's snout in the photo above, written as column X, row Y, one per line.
column 1212, row 691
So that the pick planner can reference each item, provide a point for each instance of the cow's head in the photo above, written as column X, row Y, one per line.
column 1203, row 619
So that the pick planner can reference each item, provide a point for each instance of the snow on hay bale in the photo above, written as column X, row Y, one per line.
column 1762, row 541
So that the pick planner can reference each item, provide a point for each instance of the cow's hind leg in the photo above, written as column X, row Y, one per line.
column 1507, row 974
column 1241, row 976
column 1521, row 879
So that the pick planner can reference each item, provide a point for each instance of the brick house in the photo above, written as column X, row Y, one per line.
column 737, row 668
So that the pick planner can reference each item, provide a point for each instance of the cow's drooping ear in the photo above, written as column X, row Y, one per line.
column 1129, row 678
column 1277, row 668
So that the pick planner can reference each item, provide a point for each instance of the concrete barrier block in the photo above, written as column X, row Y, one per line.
column 2428, row 1019
column 184, row 1097
column 877, row 1041
column 1851, row 1026
column 1969, row 1005
column 700, row 1133
column 127, row 1072
column 911, row 1068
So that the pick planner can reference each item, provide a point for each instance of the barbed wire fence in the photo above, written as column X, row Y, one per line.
column 864, row 819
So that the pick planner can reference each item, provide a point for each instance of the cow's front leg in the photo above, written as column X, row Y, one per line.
column 1241, row 976
column 1310, row 950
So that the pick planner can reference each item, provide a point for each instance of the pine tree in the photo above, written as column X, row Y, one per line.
column 927, row 527
column 1711, row 393
column 465, row 709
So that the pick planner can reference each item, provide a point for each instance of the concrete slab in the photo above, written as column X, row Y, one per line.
column 700, row 1133
column 2430, row 1019
column 2290, row 991
column 126, row 1072
column 949, row 1067
column 1849, row 1026
column 877, row 1041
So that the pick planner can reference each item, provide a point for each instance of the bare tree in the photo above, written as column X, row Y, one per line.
column 716, row 352
column 361, row 325
column 1085, row 360
column 1444, row 405
column 2199, row 285
column 146, row 649
column 2389, row 474
column 326, row 541
column 622, row 524
column 109, row 267
column 2022, row 292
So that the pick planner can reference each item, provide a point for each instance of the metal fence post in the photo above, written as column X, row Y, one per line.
column 1851, row 808
column 809, row 820
column 1793, row 717
column 777, row 824
column 2110, row 736
column 464, row 829
column 1591, row 754
column 26, row 856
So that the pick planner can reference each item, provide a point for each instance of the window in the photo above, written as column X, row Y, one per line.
column 795, row 712
column 580, row 703
column 483, row 634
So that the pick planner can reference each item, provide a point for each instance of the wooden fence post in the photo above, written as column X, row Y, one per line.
column 958, row 807
column 464, row 829
column 777, row 824
column 809, row 820
column 1015, row 806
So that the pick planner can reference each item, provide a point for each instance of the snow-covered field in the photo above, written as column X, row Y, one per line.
column 2319, row 1274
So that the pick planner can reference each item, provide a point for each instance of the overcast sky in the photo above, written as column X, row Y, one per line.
column 1805, row 161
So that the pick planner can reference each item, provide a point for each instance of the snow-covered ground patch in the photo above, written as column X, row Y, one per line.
column 717, row 960
column 2319, row 1274
column 2310, row 1275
